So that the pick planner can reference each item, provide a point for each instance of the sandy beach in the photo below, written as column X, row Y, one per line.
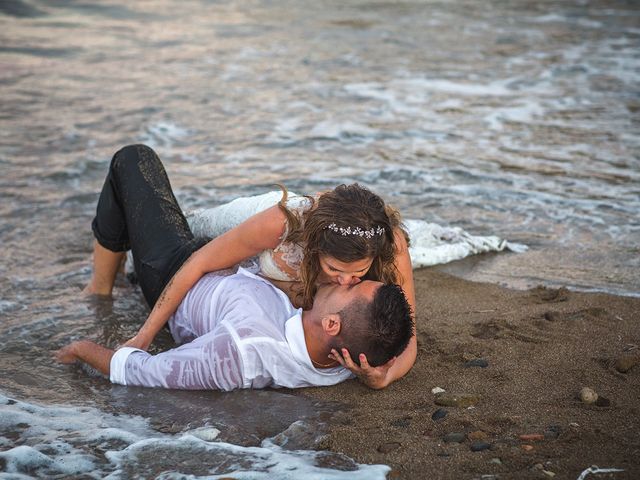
column 516, row 361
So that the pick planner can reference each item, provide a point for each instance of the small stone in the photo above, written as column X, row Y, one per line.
column 527, row 448
column 476, row 362
column 531, row 437
column 627, row 362
column 496, row 461
column 443, row 454
column 552, row 431
column 603, row 402
column 477, row 435
column 574, row 424
column 454, row 437
column 538, row 466
column 588, row 395
column 439, row 414
column 437, row 390
column 401, row 422
column 549, row 473
column 456, row 399
column 479, row 445
column 388, row 447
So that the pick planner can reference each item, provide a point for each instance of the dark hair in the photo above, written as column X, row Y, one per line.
column 380, row 329
column 345, row 206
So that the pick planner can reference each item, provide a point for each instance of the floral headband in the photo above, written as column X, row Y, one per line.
column 373, row 231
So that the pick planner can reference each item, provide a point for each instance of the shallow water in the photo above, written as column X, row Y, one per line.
column 511, row 118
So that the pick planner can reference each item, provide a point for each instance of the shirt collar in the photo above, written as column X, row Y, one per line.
column 294, row 332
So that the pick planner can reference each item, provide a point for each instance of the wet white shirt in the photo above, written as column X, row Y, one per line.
column 236, row 331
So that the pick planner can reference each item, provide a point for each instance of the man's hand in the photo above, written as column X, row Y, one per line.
column 67, row 354
column 86, row 351
column 372, row 377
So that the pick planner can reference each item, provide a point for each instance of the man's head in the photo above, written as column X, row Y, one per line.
column 368, row 317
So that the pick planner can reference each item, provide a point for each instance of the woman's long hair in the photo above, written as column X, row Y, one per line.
column 346, row 206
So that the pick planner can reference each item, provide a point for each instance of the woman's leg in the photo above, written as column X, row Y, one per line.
column 137, row 210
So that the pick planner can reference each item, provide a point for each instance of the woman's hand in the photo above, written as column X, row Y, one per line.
column 372, row 377
column 138, row 341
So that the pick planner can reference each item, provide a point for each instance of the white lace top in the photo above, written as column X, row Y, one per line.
column 283, row 262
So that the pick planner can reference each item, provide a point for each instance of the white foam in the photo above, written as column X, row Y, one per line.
column 56, row 441
column 163, row 134
column 335, row 130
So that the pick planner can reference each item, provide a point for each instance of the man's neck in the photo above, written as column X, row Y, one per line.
column 318, row 351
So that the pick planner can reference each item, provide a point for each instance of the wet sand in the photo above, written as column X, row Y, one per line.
column 542, row 346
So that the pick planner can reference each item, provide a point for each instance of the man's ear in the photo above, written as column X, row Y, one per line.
column 331, row 324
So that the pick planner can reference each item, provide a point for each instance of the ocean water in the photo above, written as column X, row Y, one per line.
column 519, row 119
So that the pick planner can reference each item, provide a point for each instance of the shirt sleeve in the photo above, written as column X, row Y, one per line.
column 210, row 362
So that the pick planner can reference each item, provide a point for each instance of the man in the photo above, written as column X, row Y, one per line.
column 240, row 331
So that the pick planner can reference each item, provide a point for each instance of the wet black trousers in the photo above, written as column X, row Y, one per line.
column 137, row 210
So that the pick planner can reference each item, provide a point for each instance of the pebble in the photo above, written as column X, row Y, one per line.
column 626, row 362
column 549, row 473
column 496, row 460
column 454, row 437
column 476, row 362
column 437, row 390
column 531, row 437
column 477, row 435
column 588, row 395
column 401, row 422
column 439, row 414
column 479, row 445
column 552, row 431
column 388, row 447
column 456, row 399
column 527, row 448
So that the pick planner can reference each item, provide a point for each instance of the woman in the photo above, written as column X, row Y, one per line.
column 345, row 235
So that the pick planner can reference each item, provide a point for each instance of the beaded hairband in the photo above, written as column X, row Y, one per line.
column 356, row 231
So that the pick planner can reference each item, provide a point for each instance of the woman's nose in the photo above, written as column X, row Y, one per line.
column 348, row 280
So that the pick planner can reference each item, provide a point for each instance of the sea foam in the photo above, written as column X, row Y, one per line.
column 60, row 441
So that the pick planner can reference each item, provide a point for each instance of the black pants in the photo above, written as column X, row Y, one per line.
column 137, row 210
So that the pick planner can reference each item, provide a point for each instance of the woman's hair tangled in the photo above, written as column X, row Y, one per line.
column 346, row 206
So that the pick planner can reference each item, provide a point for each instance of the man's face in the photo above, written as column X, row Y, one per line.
column 332, row 298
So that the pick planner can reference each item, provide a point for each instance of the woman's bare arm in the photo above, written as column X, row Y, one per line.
column 260, row 232
column 397, row 367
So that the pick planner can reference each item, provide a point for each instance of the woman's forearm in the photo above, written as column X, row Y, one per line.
column 407, row 358
column 260, row 232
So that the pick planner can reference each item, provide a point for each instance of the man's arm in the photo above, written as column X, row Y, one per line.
column 210, row 362
column 88, row 352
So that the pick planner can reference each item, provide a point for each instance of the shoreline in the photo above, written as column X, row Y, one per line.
column 541, row 347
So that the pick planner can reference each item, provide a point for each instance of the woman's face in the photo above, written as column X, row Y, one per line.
column 342, row 273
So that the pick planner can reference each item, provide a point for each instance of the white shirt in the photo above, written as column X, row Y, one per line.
column 236, row 331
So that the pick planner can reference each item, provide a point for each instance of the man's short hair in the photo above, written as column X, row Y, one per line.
column 380, row 329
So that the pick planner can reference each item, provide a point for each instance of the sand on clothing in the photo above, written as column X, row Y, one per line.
column 541, row 347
